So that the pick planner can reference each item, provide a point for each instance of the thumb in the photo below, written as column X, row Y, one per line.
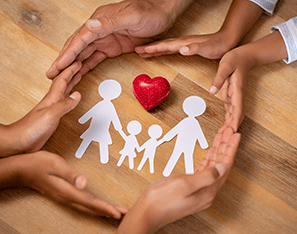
column 205, row 49
column 64, row 171
column 206, row 177
column 106, row 25
column 224, row 71
column 63, row 107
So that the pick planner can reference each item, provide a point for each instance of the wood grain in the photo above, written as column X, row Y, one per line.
column 260, row 193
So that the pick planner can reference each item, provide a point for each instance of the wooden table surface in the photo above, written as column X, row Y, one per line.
column 260, row 195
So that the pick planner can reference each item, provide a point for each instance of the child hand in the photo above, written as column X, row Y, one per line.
column 212, row 46
column 232, row 78
column 180, row 195
column 52, row 176
column 31, row 132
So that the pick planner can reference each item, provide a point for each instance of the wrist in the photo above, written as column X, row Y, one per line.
column 228, row 40
column 8, row 141
column 270, row 48
column 172, row 8
column 141, row 219
column 10, row 174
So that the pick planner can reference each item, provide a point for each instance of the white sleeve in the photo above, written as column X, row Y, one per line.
column 266, row 5
column 288, row 31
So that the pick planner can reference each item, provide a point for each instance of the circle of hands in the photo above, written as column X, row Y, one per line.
column 109, row 33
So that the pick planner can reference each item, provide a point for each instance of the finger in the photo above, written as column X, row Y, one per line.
column 145, row 55
column 211, row 156
column 80, row 41
column 92, row 62
column 204, row 162
column 122, row 209
column 215, row 147
column 66, row 193
column 226, row 135
column 106, row 25
column 201, row 179
column 75, row 80
column 65, row 76
column 170, row 45
column 224, row 71
column 231, row 150
column 62, row 170
column 61, row 108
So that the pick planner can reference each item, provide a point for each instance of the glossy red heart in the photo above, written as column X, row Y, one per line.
column 150, row 92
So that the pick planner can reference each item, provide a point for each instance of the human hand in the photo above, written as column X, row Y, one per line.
column 180, row 195
column 52, row 176
column 231, row 77
column 212, row 46
column 31, row 132
column 115, row 29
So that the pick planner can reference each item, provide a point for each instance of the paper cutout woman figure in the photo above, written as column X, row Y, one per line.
column 188, row 131
column 102, row 114
column 150, row 146
column 134, row 128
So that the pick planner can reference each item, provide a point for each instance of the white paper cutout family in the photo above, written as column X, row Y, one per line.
column 187, row 132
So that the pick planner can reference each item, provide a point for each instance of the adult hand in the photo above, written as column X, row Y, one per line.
column 180, row 195
column 52, row 176
column 115, row 29
column 31, row 132
column 212, row 46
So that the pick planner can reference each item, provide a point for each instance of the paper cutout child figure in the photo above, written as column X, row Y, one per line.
column 102, row 114
column 150, row 146
column 188, row 131
column 134, row 128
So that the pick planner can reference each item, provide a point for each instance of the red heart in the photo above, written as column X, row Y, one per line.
column 150, row 92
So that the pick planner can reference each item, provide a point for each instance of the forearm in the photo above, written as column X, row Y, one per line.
column 242, row 15
column 268, row 49
column 9, row 172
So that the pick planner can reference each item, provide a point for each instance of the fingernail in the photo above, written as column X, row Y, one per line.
column 74, row 95
column 221, row 168
column 184, row 50
column 94, row 23
column 80, row 182
column 213, row 90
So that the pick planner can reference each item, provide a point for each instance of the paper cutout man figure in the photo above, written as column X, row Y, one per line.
column 134, row 128
column 188, row 131
column 150, row 146
column 102, row 114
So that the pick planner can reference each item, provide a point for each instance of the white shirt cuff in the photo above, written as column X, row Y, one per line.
column 288, row 31
column 266, row 5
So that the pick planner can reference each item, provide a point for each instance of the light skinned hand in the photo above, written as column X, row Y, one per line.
column 212, row 46
column 115, row 29
column 52, row 176
column 177, row 196
column 31, row 132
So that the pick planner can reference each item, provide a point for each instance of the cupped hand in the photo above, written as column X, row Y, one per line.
column 31, row 132
column 52, row 176
column 180, row 195
column 231, row 77
column 112, row 30
column 212, row 46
